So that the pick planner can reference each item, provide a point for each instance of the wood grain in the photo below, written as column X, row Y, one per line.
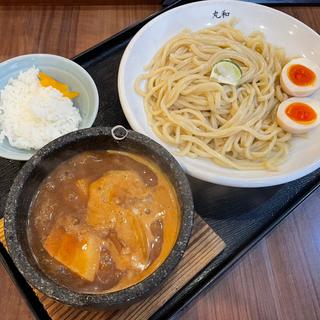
column 204, row 246
column 12, row 305
column 63, row 30
column 78, row 2
column 279, row 278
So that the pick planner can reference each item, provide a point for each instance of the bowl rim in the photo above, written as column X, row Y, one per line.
column 93, row 115
column 112, row 299
column 192, row 168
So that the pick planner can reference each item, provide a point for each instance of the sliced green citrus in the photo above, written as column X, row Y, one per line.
column 226, row 71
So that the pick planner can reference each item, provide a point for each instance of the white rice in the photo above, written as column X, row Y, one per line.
column 32, row 115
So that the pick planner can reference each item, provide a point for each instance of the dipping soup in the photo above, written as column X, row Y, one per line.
column 103, row 221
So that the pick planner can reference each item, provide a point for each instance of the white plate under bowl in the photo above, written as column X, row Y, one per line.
column 62, row 69
column 280, row 29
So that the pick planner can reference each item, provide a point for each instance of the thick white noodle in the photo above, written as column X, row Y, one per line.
column 233, row 126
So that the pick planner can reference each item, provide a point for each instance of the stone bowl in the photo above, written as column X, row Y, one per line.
column 42, row 163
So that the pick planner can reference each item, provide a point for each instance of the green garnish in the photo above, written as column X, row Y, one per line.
column 226, row 71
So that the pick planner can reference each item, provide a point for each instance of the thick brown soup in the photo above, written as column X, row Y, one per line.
column 103, row 221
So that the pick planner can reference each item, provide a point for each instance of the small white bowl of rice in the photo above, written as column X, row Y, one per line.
column 32, row 115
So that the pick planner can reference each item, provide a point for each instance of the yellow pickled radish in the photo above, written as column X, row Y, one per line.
column 71, row 94
column 47, row 81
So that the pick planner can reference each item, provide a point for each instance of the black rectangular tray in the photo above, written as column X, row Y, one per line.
column 240, row 216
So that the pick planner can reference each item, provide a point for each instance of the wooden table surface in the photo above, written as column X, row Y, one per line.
column 280, row 277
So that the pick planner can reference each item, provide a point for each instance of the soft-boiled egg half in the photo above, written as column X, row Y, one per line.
column 298, row 115
column 300, row 77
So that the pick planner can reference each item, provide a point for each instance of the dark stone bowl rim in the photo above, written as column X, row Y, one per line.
column 112, row 299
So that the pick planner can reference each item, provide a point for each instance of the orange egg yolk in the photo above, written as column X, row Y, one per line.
column 301, row 75
column 301, row 112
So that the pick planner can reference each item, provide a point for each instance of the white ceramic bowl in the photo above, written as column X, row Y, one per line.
column 62, row 69
column 280, row 29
